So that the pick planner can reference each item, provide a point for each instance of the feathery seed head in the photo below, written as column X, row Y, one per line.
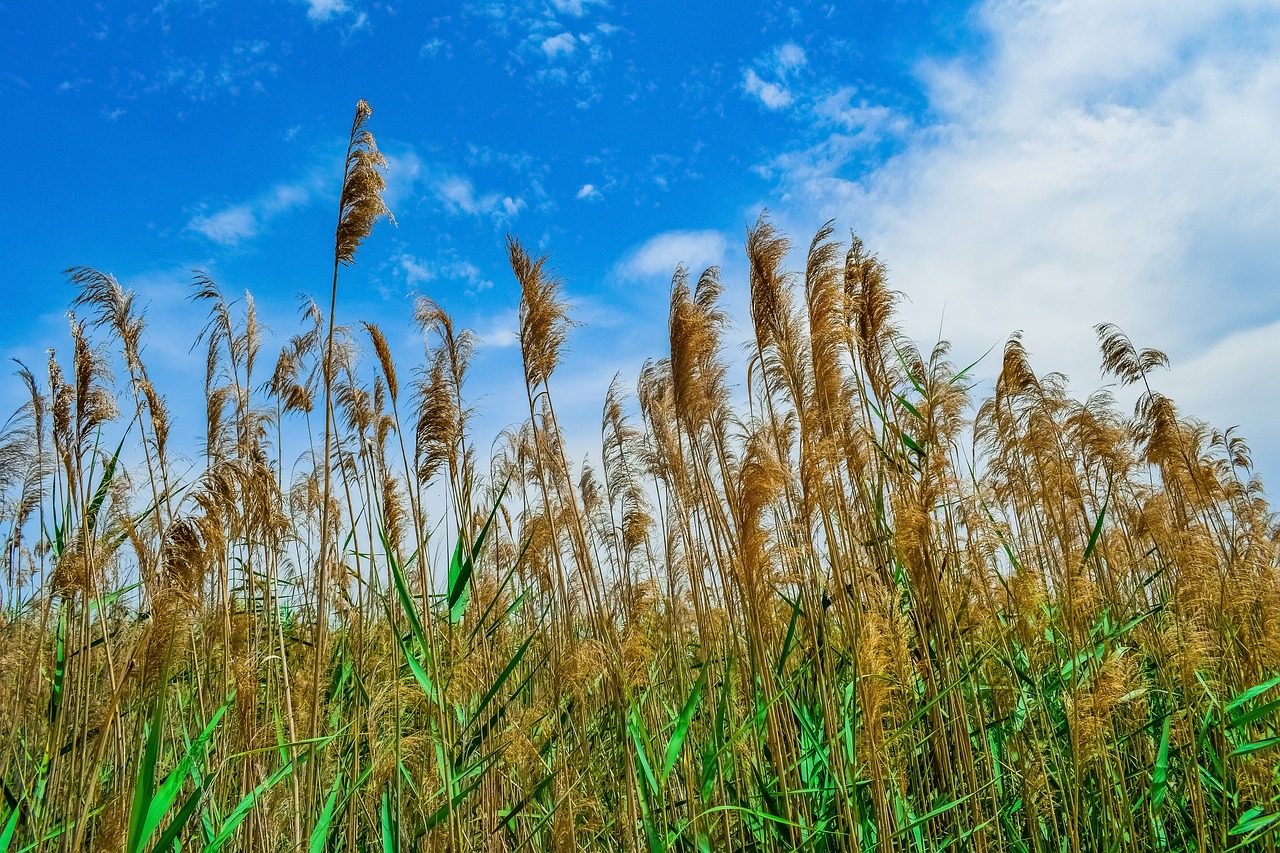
column 360, row 204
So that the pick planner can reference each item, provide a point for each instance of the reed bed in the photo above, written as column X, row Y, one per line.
column 820, row 599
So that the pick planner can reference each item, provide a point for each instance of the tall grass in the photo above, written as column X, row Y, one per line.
column 859, row 611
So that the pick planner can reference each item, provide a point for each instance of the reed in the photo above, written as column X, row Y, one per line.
column 860, row 610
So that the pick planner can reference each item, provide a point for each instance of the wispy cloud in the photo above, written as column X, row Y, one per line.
column 561, row 43
column 350, row 18
column 775, row 96
column 320, row 11
column 588, row 192
column 577, row 8
column 787, row 58
column 239, row 223
column 659, row 256
column 847, row 110
column 501, row 331
column 768, row 79
column 405, row 172
column 73, row 85
column 238, row 71
column 228, row 226
column 418, row 272
column 459, row 195
column 435, row 46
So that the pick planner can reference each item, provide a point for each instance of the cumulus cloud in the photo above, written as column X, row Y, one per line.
column 1105, row 161
column 659, row 256
column 589, row 193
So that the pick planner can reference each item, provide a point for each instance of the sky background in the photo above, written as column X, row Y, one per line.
column 1042, row 166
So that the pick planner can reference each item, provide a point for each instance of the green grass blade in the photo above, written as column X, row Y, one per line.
column 638, row 737
column 789, row 639
column 1259, row 713
column 144, row 782
column 320, row 834
column 506, row 581
column 1256, row 746
column 10, row 827
column 460, row 569
column 1097, row 528
column 165, row 795
column 681, row 730
column 242, row 809
column 390, row 827
column 1251, row 694
column 515, row 810
column 916, row 823
column 169, row 837
column 1254, row 822
column 462, row 566
column 103, row 489
column 59, row 667
column 501, row 680
column 402, row 593
column 419, row 674
column 1160, row 774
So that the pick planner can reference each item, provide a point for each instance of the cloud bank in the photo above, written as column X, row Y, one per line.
column 1103, row 161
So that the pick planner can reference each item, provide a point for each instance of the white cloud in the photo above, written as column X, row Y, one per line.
column 845, row 110
column 360, row 23
column 1229, row 379
column 512, row 206
column 1107, row 161
column 227, row 227
column 502, row 331
column 243, row 69
column 417, row 272
column 780, row 64
column 561, row 44
column 459, row 196
column 404, row 171
column 772, row 95
column 788, row 57
column 576, row 8
column 238, row 223
column 460, row 193
column 319, row 11
column 661, row 254
column 589, row 193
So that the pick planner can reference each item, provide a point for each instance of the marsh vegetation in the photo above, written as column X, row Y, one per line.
column 826, row 597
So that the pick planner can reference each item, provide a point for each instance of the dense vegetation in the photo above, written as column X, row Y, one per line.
column 830, row 603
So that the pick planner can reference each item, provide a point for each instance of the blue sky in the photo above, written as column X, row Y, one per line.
column 1019, row 165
